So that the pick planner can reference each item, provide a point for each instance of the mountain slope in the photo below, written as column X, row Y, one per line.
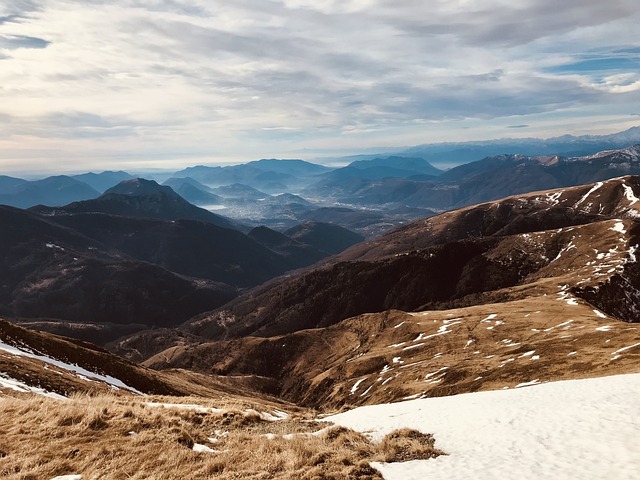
column 55, row 272
column 57, row 190
column 513, row 174
column 325, row 237
column 58, row 365
column 141, row 199
column 55, row 366
column 459, row 258
column 529, row 289
column 300, row 253
column 103, row 180
column 393, row 355
column 9, row 183
column 197, row 249
column 409, row 165
column 193, row 191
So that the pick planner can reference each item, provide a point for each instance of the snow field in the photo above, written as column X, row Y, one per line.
column 575, row 429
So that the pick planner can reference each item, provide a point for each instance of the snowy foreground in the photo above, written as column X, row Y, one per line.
column 576, row 429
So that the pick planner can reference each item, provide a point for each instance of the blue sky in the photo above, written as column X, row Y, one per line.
column 170, row 83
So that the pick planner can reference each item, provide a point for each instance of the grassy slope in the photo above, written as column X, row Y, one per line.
column 124, row 437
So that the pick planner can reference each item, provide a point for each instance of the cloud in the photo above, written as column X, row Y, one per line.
column 66, row 125
column 266, row 77
column 16, row 10
column 12, row 42
column 9, row 19
column 495, row 23
column 524, row 125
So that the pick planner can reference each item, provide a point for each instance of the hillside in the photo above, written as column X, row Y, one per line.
column 53, row 366
column 566, row 145
column 393, row 355
column 53, row 272
column 193, row 248
column 104, row 180
column 459, row 258
column 141, row 198
column 530, row 288
column 269, row 175
column 326, row 237
column 77, row 271
column 193, row 191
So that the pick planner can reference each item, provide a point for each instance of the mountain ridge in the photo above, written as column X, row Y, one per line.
column 462, row 249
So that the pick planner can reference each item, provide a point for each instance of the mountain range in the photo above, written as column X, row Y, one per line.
column 530, row 288
column 487, row 179
column 139, row 256
column 566, row 145
column 137, row 326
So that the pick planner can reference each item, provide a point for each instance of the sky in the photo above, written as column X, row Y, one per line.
column 94, row 85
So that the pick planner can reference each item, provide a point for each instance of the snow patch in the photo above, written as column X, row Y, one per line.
column 628, row 192
column 429, row 375
column 560, row 430
column 552, row 198
column 528, row 384
column 563, row 324
column 366, row 391
column 618, row 227
column 354, row 389
column 18, row 386
column 113, row 382
column 490, row 317
column 604, row 328
column 624, row 349
column 586, row 195
column 198, row 447
column 565, row 249
column 411, row 397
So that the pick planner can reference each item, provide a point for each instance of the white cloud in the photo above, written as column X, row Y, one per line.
column 249, row 78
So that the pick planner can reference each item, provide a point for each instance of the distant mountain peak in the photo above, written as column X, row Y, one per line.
column 140, row 186
column 632, row 153
column 410, row 164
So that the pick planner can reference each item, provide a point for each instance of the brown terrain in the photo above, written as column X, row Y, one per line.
column 530, row 304
column 584, row 237
column 537, row 287
column 529, row 289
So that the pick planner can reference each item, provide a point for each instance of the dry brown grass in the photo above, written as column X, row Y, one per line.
column 42, row 438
